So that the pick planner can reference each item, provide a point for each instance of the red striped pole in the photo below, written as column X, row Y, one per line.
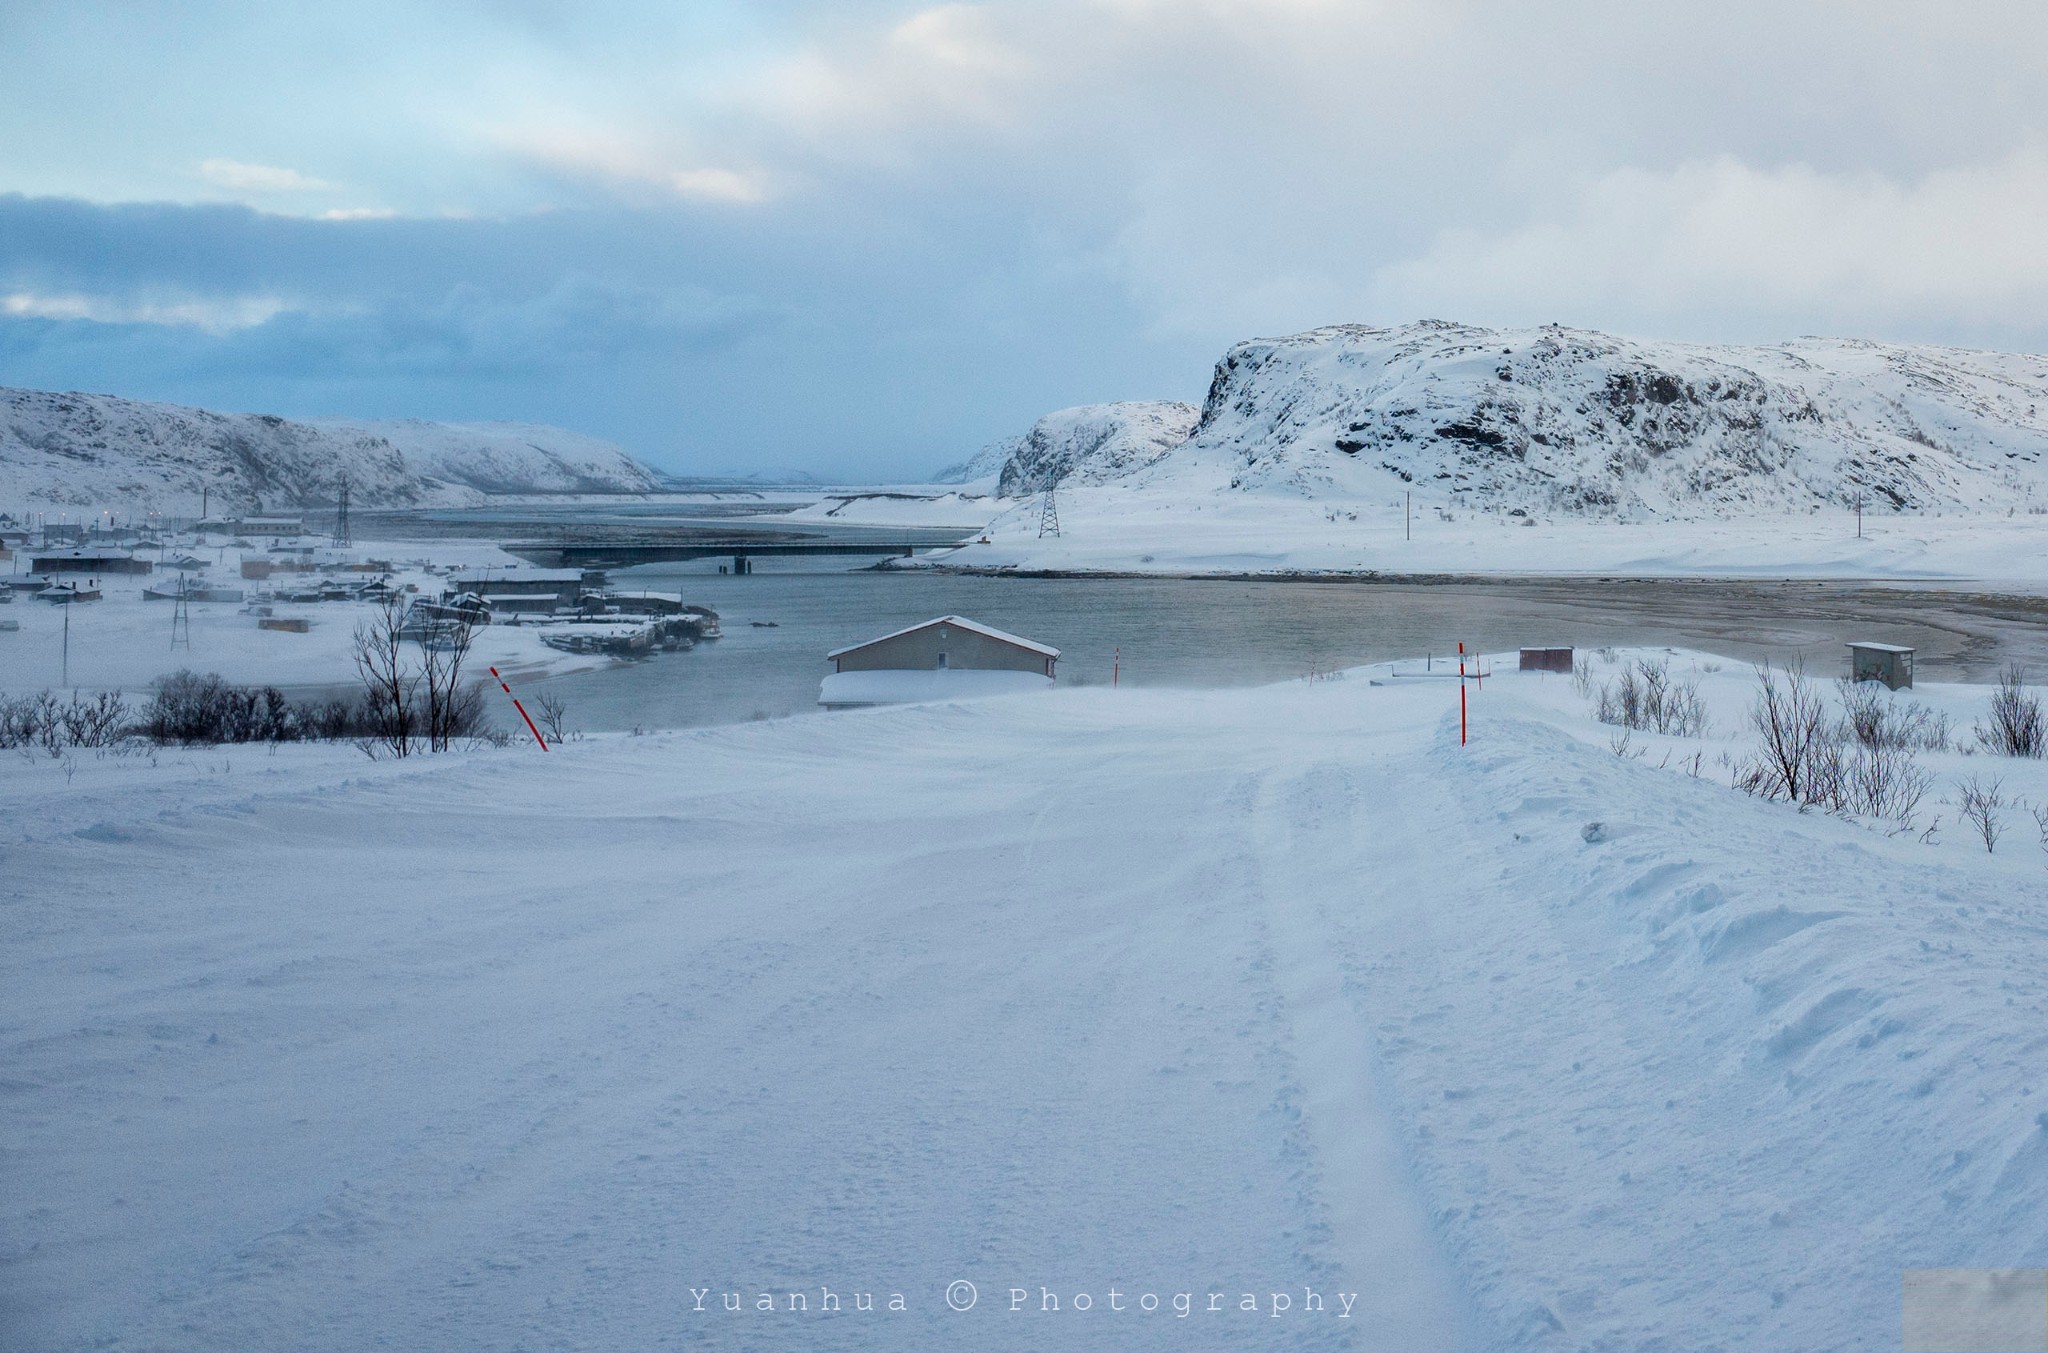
column 522, row 711
column 1461, row 694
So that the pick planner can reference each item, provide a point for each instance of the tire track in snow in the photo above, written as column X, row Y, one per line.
column 1380, row 1231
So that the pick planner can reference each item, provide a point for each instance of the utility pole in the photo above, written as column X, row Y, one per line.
column 1408, row 517
column 181, row 616
column 65, row 678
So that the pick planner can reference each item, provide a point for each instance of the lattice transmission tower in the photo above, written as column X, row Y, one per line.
column 1049, row 510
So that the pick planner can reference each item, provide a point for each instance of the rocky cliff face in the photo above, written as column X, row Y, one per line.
column 1554, row 420
column 103, row 451
column 1094, row 444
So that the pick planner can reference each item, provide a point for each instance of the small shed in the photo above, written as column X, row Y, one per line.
column 1547, row 660
column 950, row 657
column 1889, row 663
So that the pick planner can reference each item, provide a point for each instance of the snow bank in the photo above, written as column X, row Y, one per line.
column 1234, row 994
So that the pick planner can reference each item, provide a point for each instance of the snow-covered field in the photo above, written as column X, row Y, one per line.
column 1103, row 995
column 124, row 640
column 1138, row 529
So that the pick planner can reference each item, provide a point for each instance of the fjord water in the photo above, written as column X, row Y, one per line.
column 780, row 622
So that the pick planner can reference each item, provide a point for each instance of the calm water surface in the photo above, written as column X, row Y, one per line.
column 781, row 621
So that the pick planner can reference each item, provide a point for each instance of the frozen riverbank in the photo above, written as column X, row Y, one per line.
column 1232, row 992
column 1117, row 529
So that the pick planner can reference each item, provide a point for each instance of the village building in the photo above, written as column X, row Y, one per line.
column 526, row 591
column 96, row 562
column 948, row 658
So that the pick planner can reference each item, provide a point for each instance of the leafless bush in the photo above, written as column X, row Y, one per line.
column 1983, row 807
column 1883, row 781
column 1646, row 697
column 195, row 710
column 2016, row 728
column 452, row 711
column 1582, row 677
column 389, row 682
column 1873, row 717
column 1800, row 760
column 553, row 710
column 42, row 722
column 100, row 721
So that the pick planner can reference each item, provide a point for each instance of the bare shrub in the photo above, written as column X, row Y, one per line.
column 100, row 721
column 553, row 710
column 195, row 710
column 452, row 711
column 1582, row 677
column 1800, row 760
column 1874, row 717
column 389, row 682
column 42, row 722
column 2016, row 728
column 1883, row 781
column 1646, row 697
column 1983, row 807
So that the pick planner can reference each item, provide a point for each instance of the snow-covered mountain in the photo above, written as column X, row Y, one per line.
column 101, row 450
column 1556, row 421
column 985, row 465
column 1093, row 444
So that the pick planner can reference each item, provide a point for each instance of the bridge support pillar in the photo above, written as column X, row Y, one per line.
column 742, row 564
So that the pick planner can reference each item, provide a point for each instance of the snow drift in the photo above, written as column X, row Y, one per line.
column 95, row 450
column 1566, row 421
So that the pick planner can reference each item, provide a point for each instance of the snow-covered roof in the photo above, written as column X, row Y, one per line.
column 904, row 687
column 986, row 631
column 516, row 577
column 1881, row 648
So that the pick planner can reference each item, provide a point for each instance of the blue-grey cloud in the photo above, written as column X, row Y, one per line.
column 870, row 235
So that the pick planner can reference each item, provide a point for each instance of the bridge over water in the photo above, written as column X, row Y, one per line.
column 741, row 550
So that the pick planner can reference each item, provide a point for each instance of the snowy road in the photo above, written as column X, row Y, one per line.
column 1226, row 997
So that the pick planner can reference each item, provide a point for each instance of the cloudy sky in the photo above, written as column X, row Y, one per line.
column 863, row 237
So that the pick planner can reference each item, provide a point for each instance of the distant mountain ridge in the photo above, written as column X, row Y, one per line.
column 1555, row 421
column 101, row 450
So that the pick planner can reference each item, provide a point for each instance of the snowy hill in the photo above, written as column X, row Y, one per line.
column 1094, row 444
column 100, row 450
column 505, row 457
column 984, row 465
column 1564, row 421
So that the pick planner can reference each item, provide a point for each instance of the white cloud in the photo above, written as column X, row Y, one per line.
column 1791, row 245
column 236, row 176
column 214, row 315
column 612, row 157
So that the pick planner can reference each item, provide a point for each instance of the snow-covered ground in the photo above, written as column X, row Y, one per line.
column 1238, row 995
column 1138, row 529
column 123, row 641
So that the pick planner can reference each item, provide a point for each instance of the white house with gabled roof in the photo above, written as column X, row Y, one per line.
column 948, row 658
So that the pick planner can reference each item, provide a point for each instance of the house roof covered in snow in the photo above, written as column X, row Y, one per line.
column 986, row 631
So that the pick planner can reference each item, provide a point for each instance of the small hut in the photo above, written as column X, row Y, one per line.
column 1888, row 663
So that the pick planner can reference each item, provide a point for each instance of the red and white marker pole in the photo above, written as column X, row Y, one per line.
column 522, row 711
column 1461, row 694
column 1116, row 669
